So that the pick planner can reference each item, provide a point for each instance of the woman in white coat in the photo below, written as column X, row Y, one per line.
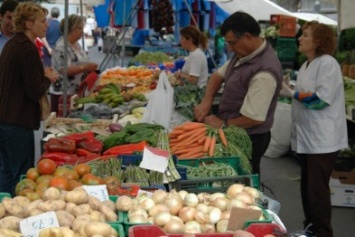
column 319, row 128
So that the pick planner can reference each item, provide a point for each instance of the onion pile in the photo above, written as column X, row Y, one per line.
column 183, row 212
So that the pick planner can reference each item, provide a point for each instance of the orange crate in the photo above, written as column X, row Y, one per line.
column 286, row 25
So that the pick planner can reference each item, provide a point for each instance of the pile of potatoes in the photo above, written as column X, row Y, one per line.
column 79, row 215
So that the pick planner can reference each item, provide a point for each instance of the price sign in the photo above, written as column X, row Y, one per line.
column 146, row 193
column 31, row 226
column 98, row 191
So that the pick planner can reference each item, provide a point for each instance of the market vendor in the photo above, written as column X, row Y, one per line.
column 195, row 69
column 252, row 78
column 139, row 37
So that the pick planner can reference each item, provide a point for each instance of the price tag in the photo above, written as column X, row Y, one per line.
column 31, row 226
column 98, row 191
column 155, row 159
column 146, row 193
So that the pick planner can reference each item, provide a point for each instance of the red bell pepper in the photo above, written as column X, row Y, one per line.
column 127, row 149
column 90, row 144
column 60, row 145
column 61, row 158
column 78, row 137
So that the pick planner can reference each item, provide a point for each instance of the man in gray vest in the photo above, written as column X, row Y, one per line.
column 252, row 81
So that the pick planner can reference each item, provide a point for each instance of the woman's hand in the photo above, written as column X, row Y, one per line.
column 51, row 73
column 90, row 67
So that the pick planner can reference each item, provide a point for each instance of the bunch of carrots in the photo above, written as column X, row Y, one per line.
column 194, row 140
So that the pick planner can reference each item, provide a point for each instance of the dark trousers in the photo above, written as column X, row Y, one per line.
column 260, row 143
column 54, row 103
column 16, row 155
column 315, row 192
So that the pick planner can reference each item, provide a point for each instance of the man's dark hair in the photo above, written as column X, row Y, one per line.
column 240, row 23
column 8, row 5
column 55, row 12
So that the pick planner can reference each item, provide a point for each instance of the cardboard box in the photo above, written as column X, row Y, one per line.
column 342, row 188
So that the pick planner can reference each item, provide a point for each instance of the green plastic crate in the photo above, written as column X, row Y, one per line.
column 127, row 225
column 118, row 228
column 267, row 219
column 4, row 195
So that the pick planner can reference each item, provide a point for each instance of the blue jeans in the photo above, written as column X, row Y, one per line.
column 16, row 155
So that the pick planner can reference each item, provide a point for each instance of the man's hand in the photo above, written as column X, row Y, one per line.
column 213, row 121
column 51, row 73
column 201, row 111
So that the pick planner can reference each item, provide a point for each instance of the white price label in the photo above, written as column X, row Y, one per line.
column 146, row 193
column 31, row 226
column 98, row 191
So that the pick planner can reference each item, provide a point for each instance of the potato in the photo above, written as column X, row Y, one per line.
column 12, row 207
column 62, row 194
column 81, row 210
column 64, row 218
column 80, row 221
column 77, row 197
column 11, row 222
column 95, row 227
column 23, row 201
column 110, row 204
column 51, row 193
column 52, row 205
column 69, row 207
column 108, row 213
column 33, row 205
column 94, row 203
column 9, row 233
column 97, row 216
column 35, row 212
column 56, row 232
column 2, row 211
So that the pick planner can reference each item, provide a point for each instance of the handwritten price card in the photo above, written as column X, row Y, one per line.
column 31, row 226
column 98, row 191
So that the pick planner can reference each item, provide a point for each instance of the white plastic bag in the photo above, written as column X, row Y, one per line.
column 280, row 132
column 160, row 103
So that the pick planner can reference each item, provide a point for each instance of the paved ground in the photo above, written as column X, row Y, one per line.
column 280, row 175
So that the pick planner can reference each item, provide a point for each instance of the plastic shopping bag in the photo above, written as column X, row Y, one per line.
column 160, row 103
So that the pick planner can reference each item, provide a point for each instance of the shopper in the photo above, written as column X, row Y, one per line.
column 195, row 69
column 78, row 63
column 52, row 35
column 252, row 80
column 22, row 85
column 6, row 25
column 319, row 127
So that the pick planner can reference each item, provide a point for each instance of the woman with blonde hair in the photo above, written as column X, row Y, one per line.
column 195, row 69
column 23, row 82
column 78, row 62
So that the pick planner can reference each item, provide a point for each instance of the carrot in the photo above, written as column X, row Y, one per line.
column 192, row 126
column 222, row 136
column 194, row 139
column 192, row 133
column 190, row 153
column 201, row 140
column 212, row 146
column 176, row 133
column 189, row 150
column 188, row 156
column 207, row 143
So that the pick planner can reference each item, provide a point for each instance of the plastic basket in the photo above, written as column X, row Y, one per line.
column 127, row 225
column 261, row 229
column 4, row 195
column 232, row 161
column 286, row 25
column 267, row 219
column 156, row 231
column 213, row 185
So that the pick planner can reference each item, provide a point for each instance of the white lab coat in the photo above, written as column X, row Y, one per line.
column 320, row 131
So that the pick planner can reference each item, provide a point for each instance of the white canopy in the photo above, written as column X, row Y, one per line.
column 263, row 9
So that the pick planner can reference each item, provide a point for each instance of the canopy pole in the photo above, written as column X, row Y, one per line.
column 65, row 69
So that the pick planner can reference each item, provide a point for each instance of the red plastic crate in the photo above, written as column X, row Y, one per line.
column 156, row 231
column 286, row 25
column 261, row 229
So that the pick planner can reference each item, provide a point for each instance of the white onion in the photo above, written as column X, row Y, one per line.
column 234, row 189
column 235, row 203
column 202, row 207
column 158, row 196
column 162, row 218
column 146, row 204
column 222, row 226
column 138, row 219
column 214, row 215
column 220, row 202
column 225, row 215
column 124, row 203
column 174, row 227
column 158, row 208
column 191, row 200
column 201, row 217
column 193, row 227
column 183, row 194
column 137, row 212
column 246, row 198
column 151, row 220
column 256, row 194
column 174, row 202
column 187, row 214
column 216, row 195
column 176, row 218
column 208, row 228
column 203, row 197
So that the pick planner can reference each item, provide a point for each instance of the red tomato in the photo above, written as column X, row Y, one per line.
column 46, row 166
column 24, row 184
column 59, row 182
column 82, row 169
column 32, row 174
